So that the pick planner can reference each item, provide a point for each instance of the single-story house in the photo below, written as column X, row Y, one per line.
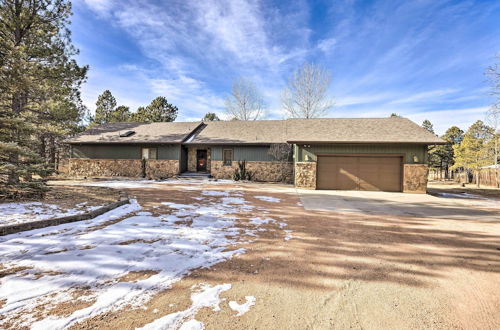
column 387, row 154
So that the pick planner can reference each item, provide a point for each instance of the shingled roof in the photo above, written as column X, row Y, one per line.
column 322, row 130
column 358, row 130
column 241, row 131
column 175, row 132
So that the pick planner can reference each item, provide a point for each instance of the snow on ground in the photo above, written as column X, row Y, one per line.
column 117, row 184
column 243, row 308
column 16, row 213
column 464, row 195
column 207, row 296
column 473, row 199
column 53, row 263
column 288, row 235
column 268, row 199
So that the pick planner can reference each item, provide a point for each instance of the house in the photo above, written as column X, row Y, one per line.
column 387, row 154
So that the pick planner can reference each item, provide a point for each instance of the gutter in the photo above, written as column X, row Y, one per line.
column 364, row 142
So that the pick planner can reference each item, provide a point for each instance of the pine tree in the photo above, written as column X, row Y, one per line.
column 444, row 154
column 39, row 86
column 210, row 116
column 120, row 114
column 159, row 110
column 471, row 153
column 105, row 105
column 428, row 126
column 433, row 160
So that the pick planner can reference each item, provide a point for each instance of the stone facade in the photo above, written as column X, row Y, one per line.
column 83, row 167
column 415, row 178
column 155, row 169
column 191, row 158
column 305, row 175
column 161, row 168
column 262, row 171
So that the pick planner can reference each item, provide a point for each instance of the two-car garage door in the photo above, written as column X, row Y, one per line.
column 380, row 173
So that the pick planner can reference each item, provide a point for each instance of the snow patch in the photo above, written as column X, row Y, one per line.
column 207, row 296
column 268, row 199
column 16, row 213
column 131, row 184
column 215, row 193
column 243, row 308
column 170, row 245
column 259, row 221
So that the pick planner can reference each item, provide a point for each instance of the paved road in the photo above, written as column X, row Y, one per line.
column 399, row 204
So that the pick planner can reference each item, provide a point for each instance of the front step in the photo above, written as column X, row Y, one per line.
column 194, row 175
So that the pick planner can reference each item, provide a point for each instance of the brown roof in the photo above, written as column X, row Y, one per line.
column 241, row 131
column 358, row 130
column 144, row 133
column 321, row 130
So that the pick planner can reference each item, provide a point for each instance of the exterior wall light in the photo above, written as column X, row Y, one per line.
column 415, row 159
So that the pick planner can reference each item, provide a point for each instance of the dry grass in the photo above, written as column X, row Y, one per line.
column 137, row 276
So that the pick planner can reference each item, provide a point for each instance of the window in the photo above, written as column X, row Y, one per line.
column 227, row 157
column 149, row 153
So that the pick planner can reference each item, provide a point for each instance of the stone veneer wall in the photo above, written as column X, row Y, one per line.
column 262, row 171
column 305, row 175
column 415, row 178
column 161, row 168
column 155, row 169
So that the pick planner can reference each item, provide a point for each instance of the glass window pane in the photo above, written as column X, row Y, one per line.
column 227, row 156
column 152, row 153
column 145, row 153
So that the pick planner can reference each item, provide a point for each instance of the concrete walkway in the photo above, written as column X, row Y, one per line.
column 400, row 204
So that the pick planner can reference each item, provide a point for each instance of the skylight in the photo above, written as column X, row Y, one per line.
column 127, row 133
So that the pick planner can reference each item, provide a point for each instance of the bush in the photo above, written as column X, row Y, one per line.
column 242, row 173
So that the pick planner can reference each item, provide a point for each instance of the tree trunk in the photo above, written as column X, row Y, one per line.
column 497, row 184
column 478, row 179
column 52, row 152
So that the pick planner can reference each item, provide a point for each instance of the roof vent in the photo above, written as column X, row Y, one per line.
column 127, row 133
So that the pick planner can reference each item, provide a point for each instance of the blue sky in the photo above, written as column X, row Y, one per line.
column 421, row 59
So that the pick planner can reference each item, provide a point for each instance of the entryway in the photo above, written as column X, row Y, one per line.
column 201, row 160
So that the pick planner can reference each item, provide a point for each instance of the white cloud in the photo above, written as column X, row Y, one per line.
column 327, row 45
column 380, row 64
column 444, row 119
column 432, row 95
column 195, row 99
column 101, row 6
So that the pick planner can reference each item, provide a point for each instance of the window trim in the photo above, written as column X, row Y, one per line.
column 230, row 162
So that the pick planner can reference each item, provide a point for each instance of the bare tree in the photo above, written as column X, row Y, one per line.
column 306, row 93
column 282, row 153
column 493, row 120
column 245, row 102
column 493, row 74
column 493, row 114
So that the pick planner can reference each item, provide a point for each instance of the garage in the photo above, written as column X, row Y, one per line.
column 359, row 172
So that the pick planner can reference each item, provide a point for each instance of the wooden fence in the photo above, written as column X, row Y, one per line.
column 487, row 176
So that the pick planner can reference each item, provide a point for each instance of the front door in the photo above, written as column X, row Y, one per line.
column 201, row 160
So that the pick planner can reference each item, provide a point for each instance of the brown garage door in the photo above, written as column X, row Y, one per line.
column 359, row 173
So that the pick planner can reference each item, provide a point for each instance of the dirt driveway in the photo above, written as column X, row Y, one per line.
column 329, row 270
